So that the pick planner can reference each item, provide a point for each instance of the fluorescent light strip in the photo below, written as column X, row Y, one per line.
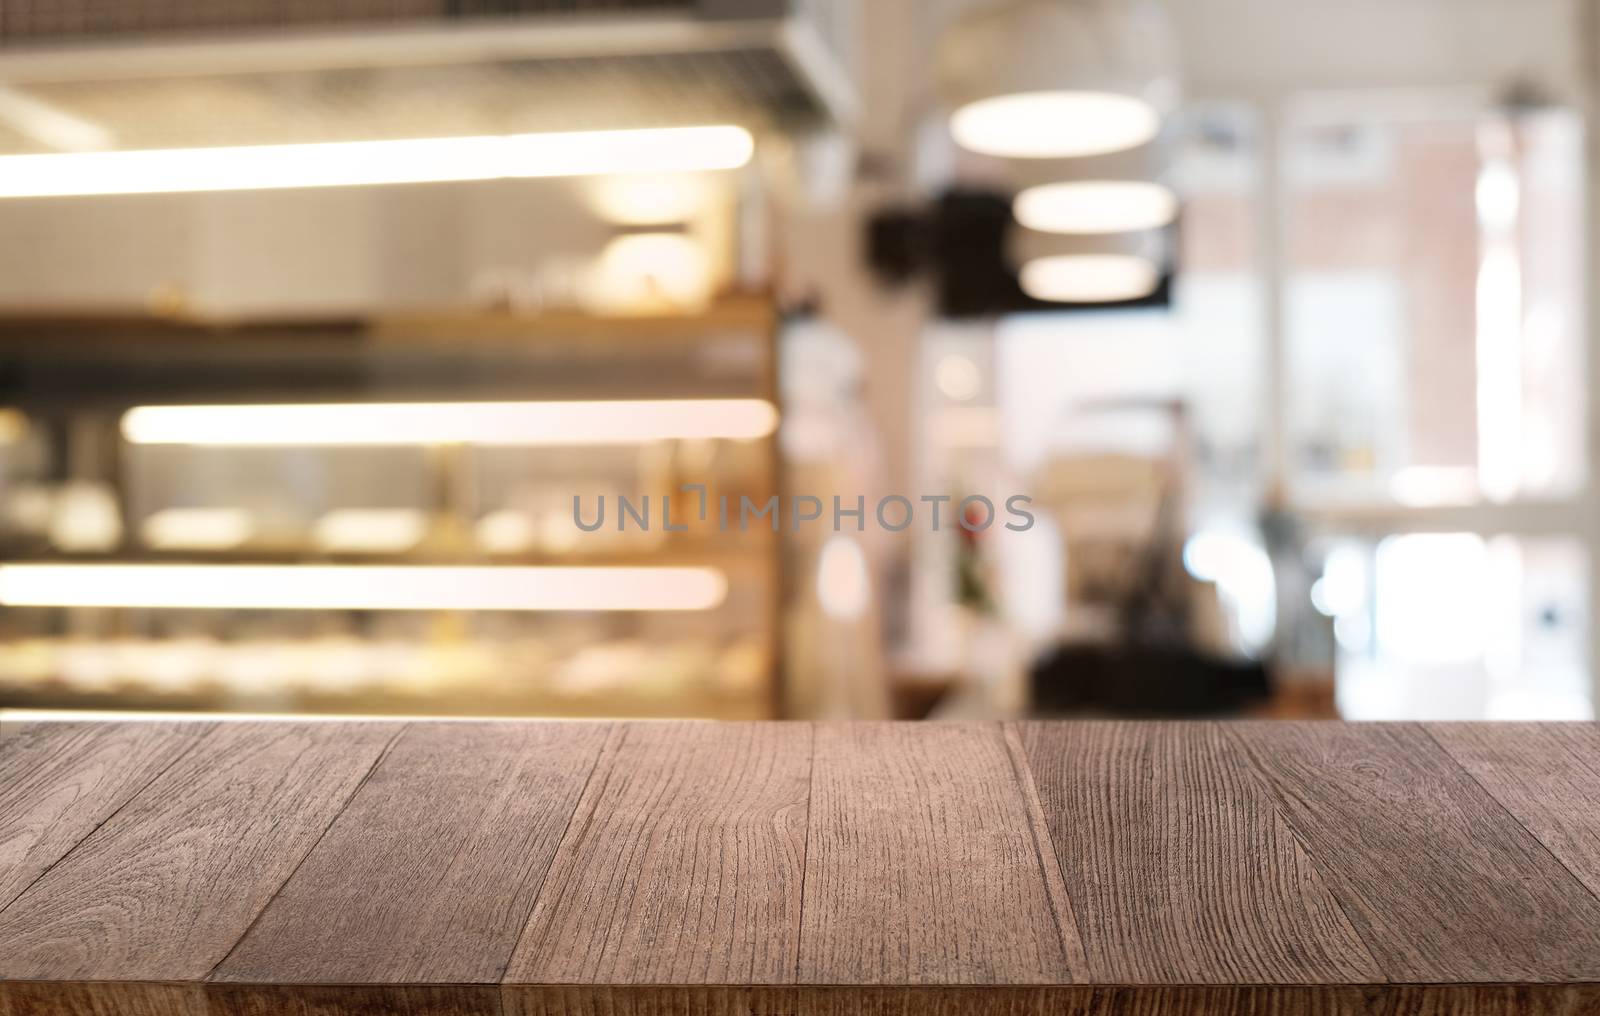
column 482, row 423
column 26, row 716
column 353, row 163
column 355, row 587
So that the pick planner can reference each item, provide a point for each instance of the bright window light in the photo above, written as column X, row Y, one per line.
column 353, row 163
column 1088, row 278
column 1243, row 575
column 1054, row 125
column 482, row 423
column 1433, row 592
column 360, row 587
column 843, row 587
column 1499, row 306
column 507, row 531
column 1095, row 206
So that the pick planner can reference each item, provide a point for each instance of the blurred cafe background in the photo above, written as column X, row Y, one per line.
column 317, row 317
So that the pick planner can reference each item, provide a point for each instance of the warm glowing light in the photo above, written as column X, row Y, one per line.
column 843, row 587
column 649, row 199
column 649, row 272
column 1088, row 278
column 958, row 377
column 198, row 528
column 507, row 531
column 1096, row 206
column 85, row 518
column 370, row 530
column 484, row 423
column 352, row 163
column 359, row 587
column 197, row 717
column 1054, row 125
column 13, row 426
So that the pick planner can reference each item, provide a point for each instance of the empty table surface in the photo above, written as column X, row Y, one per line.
column 794, row 868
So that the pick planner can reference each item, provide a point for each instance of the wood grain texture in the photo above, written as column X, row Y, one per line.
column 165, row 888
column 792, row 870
column 37, row 998
column 1059, row 1000
column 1179, row 869
column 351, row 1000
column 429, row 874
column 43, row 998
column 1439, row 880
column 922, row 863
column 683, row 863
column 1547, row 775
column 59, row 781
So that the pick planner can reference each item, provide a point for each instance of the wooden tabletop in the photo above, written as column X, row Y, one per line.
column 650, row 869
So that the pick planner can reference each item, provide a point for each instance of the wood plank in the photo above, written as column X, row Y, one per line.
column 923, row 864
column 39, row 998
column 683, row 863
column 1440, row 882
column 1179, row 869
column 1547, row 775
column 44, row 998
column 165, row 888
column 352, row 1000
column 59, row 781
column 1059, row 1000
column 428, row 876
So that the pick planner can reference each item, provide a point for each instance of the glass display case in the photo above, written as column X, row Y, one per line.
column 384, row 516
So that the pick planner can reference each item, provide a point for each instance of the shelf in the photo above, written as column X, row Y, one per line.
column 679, row 705
column 730, row 557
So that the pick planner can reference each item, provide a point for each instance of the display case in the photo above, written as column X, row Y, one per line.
column 382, row 516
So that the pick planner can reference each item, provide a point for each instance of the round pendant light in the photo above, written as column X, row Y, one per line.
column 1095, row 206
column 1046, row 79
column 1054, row 125
column 1089, row 278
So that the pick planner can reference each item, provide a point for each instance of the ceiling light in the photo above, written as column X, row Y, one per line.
column 433, row 423
column 1089, row 278
column 352, row 163
column 1095, row 206
column 1054, row 124
column 1037, row 79
column 357, row 587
